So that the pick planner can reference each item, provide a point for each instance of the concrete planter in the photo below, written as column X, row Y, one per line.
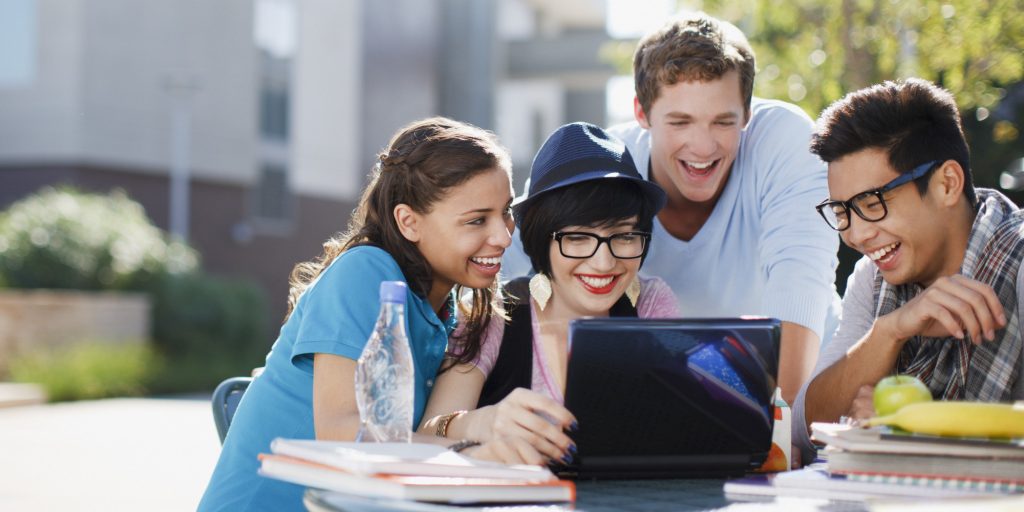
column 44, row 319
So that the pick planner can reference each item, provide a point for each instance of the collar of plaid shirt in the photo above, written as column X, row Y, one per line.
column 956, row 369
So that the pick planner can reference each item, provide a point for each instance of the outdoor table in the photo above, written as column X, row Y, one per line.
column 591, row 496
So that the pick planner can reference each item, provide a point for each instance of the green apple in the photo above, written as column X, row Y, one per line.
column 895, row 391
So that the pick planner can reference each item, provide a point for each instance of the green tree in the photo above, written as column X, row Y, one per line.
column 68, row 239
column 812, row 52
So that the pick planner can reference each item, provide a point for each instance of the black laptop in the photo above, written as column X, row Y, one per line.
column 671, row 397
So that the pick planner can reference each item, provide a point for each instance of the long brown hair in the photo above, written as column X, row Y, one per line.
column 422, row 162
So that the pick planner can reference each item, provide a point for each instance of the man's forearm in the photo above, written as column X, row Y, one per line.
column 830, row 394
column 798, row 353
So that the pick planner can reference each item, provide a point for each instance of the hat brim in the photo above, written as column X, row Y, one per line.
column 652, row 191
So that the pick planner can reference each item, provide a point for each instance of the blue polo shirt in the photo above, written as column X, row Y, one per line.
column 335, row 315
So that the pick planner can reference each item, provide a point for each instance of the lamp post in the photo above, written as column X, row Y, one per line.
column 180, row 91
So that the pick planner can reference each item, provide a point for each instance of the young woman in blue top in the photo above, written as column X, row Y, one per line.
column 437, row 215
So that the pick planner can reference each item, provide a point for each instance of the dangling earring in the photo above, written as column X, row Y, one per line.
column 540, row 289
column 633, row 291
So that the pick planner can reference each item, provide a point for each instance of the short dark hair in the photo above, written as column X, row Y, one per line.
column 695, row 47
column 914, row 121
column 594, row 203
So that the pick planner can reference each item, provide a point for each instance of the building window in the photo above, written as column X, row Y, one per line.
column 273, row 113
column 273, row 198
column 17, row 43
column 275, row 37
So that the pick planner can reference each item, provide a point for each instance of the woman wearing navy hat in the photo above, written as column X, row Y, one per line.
column 585, row 224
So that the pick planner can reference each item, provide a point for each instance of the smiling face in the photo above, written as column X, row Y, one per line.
column 591, row 286
column 914, row 243
column 464, row 234
column 695, row 131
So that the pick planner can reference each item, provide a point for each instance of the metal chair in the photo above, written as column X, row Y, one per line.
column 225, row 401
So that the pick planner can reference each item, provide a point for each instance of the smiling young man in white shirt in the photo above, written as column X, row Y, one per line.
column 737, row 236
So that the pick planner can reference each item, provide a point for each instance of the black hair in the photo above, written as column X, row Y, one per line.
column 595, row 203
column 913, row 121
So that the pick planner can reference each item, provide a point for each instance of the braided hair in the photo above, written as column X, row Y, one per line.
column 421, row 163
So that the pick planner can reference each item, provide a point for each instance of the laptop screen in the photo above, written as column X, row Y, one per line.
column 672, row 396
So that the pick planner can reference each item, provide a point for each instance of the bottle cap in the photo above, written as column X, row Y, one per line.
column 393, row 291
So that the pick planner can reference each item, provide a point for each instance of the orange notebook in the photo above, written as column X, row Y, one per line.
column 440, row 489
column 417, row 459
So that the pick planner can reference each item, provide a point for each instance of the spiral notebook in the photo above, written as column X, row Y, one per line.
column 896, row 465
column 884, row 439
column 816, row 482
column 881, row 454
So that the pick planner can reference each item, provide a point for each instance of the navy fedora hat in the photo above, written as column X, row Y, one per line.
column 579, row 152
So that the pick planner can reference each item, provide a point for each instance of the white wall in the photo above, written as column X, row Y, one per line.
column 101, row 95
column 137, row 52
column 326, row 101
column 519, row 104
column 38, row 119
column 516, row 20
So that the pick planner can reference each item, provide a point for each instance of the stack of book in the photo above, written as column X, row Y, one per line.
column 881, row 454
column 409, row 472
column 880, row 464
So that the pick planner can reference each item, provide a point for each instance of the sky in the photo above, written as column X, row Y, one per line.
column 17, row 42
column 630, row 19
column 633, row 18
column 275, row 27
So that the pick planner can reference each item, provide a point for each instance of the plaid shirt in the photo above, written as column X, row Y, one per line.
column 956, row 369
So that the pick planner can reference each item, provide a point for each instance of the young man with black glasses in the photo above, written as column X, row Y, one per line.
column 938, row 292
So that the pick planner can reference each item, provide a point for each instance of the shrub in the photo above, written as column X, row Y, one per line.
column 208, row 328
column 88, row 370
column 64, row 238
column 203, row 328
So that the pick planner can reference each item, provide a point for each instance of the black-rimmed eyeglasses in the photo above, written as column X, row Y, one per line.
column 581, row 245
column 869, row 205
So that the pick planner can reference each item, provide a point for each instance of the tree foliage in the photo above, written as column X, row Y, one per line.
column 812, row 52
column 67, row 239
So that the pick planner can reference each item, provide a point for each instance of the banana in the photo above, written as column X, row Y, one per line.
column 952, row 418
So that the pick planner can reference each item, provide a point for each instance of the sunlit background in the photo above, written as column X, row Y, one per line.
column 165, row 163
column 246, row 128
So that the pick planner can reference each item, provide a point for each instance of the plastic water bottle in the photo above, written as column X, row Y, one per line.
column 384, row 373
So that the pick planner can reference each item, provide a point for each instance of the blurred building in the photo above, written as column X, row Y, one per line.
column 249, row 126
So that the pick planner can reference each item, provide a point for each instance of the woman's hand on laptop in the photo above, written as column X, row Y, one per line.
column 530, row 416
